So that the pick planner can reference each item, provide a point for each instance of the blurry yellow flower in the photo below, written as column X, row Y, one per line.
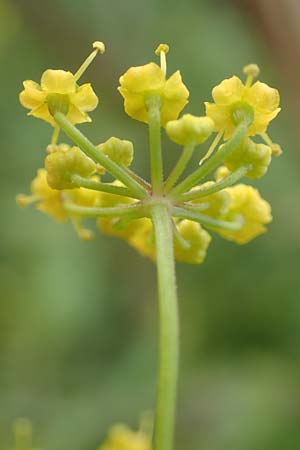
column 47, row 199
column 119, row 150
column 123, row 438
column 140, row 83
column 231, row 96
column 214, row 205
column 58, row 91
column 254, row 212
column 197, row 240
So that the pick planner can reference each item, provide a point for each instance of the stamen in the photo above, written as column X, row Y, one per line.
column 55, row 135
column 99, row 47
column 252, row 71
column 161, row 51
column 25, row 200
column 212, row 147
column 276, row 149
column 83, row 233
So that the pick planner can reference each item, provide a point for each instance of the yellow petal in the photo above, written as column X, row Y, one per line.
column 174, row 98
column 263, row 97
column 32, row 96
column 58, row 81
column 42, row 112
column 75, row 115
column 134, row 105
column 143, row 78
column 85, row 98
column 228, row 91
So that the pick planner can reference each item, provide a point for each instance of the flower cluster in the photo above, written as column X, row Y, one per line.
column 70, row 184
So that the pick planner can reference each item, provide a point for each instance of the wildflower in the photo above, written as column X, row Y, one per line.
column 140, row 83
column 197, row 240
column 58, row 92
column 250, row 153
column 247, row 206
column 233, row 101
column 64, row 162
column 123, row 438
column 190, row 129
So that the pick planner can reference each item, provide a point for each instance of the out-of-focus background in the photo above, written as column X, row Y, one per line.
column 78, row 321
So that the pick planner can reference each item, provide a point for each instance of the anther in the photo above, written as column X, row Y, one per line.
column 161, row 51
column 98, row 47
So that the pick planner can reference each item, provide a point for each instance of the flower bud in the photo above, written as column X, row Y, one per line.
column 120, row 151
column 198, row 240
column 190, row 129
column 64, row 163
column 250, row 153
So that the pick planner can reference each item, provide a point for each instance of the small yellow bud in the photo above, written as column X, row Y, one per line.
column 190, row 129
column 254, row 212
column 162, row 48
column 250, row 153
column 197, row 237
column 251, row 70
column 65, row 162
column 216, row 205
column 120, row 151
column 221, row 173
column 100, row 46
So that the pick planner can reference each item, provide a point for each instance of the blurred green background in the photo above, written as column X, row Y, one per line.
column 78, row 321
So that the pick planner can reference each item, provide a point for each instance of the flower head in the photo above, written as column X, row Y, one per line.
column 231, row 97
column 253, row 211
column 140, row 83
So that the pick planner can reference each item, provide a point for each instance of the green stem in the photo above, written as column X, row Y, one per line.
column 186, row 212
column 153, row 104
column 73, row 133
column 216, row 187
column 129, row 211
column 169, row 334
column 212, row 163
column 179, row 167
column 102, row 187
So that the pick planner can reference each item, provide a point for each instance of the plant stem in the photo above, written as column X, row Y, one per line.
column 132, row 211
column 216, row 187
column 186, row 212
column 94, row 153
column 169, row 334
column 102, row 187
column 153, row 104
column 212, row 163
column 179, row 167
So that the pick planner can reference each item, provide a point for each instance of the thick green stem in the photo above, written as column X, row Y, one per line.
column 153, row 104
column 169, row 335
column 180, row 166
column 212, row 163
column 216, row 187
column 99, row 157
column 102, row 187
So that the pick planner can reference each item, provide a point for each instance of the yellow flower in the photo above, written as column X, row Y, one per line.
column 140, row 83
column 58, row 91
column 119, row 150
column 197, row 240
column 254, row 212
column 123, row 438
column 231, row 95
column 214, row 205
